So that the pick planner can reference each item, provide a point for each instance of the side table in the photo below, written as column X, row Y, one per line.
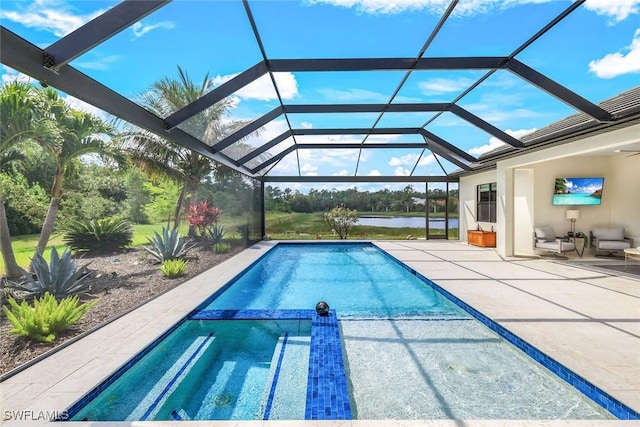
column 631, row 253
column 576, row 240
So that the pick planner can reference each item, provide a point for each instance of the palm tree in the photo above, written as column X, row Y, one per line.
column 80, row 133
column 22, row 122
column 560, row 186
column 159, row 157
column 406, row 197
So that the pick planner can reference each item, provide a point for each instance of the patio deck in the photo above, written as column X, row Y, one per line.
column 587, row 320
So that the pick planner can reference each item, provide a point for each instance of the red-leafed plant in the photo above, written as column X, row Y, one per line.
column 202, row 216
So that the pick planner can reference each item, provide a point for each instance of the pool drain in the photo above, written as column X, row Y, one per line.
column 223, row 399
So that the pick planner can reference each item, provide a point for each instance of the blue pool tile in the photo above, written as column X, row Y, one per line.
column 327, row 393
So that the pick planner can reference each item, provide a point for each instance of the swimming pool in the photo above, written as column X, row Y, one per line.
column 213, row 369
column 402, row 349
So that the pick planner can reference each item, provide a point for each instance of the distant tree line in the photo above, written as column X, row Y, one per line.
column 406, row 200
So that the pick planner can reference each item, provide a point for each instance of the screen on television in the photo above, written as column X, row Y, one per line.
column 578, row 191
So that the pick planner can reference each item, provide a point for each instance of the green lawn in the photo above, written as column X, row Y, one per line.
column 307, row 225
column 25, row 246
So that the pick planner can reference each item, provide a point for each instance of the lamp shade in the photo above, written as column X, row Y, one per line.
column 573, row 214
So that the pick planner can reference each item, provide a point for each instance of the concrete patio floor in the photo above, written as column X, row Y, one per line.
column 585, row 319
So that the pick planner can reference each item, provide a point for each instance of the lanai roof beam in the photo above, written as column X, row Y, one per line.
column 96, row 31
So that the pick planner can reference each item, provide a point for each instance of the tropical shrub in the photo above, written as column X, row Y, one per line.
column 137, row 196
column 221, row 247
column 202, row 216
column 215, row 234
column 60, row 277
column 99, row 235
column 164, row 195
column 46, row 318
column 168, row 245
column 341, row 220
column 173, row 267
column 26, row 205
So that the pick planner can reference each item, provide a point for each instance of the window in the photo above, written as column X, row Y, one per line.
column 486, row 207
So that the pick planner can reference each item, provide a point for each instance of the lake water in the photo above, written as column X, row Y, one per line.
column 406, row 221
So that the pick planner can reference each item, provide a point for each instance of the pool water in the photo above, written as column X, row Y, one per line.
column 451, row 370
column 213, row 370
column 402, row 349
column 357, row 280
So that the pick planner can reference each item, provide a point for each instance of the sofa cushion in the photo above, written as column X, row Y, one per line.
column 610, row 233
column 545, row 234
column 614, row 244
column 554, row 246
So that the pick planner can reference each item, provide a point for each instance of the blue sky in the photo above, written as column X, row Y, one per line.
column 584, row 185
column 594, row 52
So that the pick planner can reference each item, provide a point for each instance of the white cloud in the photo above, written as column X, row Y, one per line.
column 79, row 104
column 54, row 16
column 388, row 7
column 315, row 162
column 140, row 30
column 11, row 75
column 262, row 88
column 400, row 171
column 427, row 160
column 306, row 125
column 491, row 112
column 616, row 64
column 353, row 95
column 342, row 172
column 103, row 63
column 619, row 10
column 442, row 85
column 383, row 7
column 308, row 168
column 495, row 142
column 410, row 160
column 268, row 132
column 374, row 172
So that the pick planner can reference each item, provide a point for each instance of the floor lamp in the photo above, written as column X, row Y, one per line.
column 573, row 215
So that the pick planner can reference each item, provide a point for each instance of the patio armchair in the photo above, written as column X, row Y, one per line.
column 544, row 238
column 609, row 240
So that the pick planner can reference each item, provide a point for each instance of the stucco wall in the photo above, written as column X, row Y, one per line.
column 525, row 190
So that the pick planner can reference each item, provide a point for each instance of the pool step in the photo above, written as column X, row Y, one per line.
column 156, row 397
column 286, row 384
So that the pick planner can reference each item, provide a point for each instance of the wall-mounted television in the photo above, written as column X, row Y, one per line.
column 578, row 191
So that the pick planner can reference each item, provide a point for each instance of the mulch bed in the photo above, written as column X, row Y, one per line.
column 120, row 282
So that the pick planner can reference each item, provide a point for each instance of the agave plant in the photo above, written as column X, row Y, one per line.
column 168, row 245
column 215, row 234
column 60, row 277
column 100, row 235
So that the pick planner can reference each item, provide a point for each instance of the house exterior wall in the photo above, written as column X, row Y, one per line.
column 526, row 183
column 467, row 193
